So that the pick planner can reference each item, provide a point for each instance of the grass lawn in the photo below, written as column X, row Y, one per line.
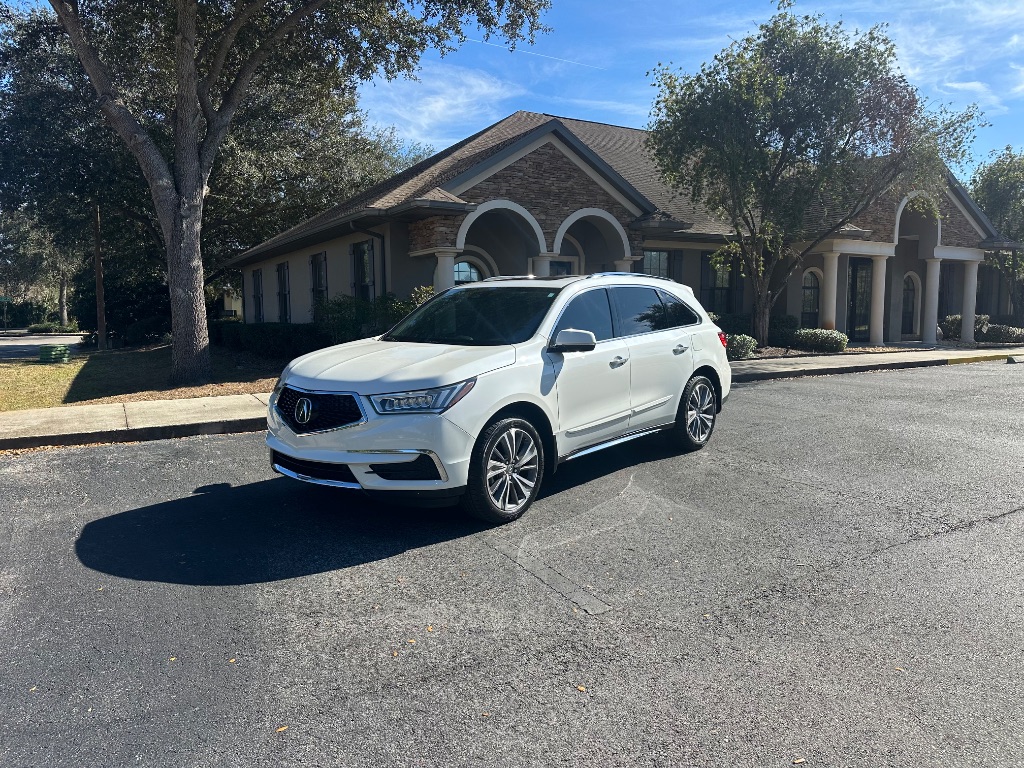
column 124, row 375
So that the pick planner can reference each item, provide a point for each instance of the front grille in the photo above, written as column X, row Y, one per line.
column 327, row 412
column 423, row 468
column 318, row 470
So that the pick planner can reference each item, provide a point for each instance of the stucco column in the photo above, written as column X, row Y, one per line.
column 877, row 300
column 444, row 272
column 624, row 265
column 829, row 289
column 931, row 301
column 542, row 265
column 970, row 299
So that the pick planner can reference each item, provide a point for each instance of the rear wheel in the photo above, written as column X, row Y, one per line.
column 695, row 420
column 505, row 471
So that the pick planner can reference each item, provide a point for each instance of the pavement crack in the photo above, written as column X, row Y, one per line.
column 946, row 530
column 548, row 576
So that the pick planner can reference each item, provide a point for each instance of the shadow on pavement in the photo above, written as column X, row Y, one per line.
column 265, row 531
column 281, row 529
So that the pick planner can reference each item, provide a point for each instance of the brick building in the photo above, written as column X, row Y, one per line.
column 542, row 195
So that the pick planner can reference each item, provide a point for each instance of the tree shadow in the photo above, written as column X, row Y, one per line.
column 261, row 532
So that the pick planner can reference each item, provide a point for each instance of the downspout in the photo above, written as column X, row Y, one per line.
column 383, row 255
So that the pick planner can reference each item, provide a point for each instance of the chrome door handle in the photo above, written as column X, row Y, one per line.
column 680, row 348
column 618, row 362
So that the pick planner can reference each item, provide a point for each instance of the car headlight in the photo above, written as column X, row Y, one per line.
column 422, row 400
column 279, row 385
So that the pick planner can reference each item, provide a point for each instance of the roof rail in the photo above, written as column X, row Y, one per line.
column 529, row 277
column 630, row 274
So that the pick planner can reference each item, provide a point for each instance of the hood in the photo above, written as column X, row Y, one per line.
column 372, row 367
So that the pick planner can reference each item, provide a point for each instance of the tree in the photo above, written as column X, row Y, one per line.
column 172, row 77
column 998, row 187
column 34, row 266
column 791, row 133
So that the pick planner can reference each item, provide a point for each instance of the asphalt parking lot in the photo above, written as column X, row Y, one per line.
column 836, row 580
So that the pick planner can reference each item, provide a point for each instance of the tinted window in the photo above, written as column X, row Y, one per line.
column 639, row 310
column 676, row 313
column 588, row 312
column 476, row 317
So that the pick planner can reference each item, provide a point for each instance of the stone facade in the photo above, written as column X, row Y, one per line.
column 551, row 187
column 880, row 220
column 435, row 232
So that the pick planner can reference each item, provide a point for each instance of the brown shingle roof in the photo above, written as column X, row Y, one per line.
column 622, row 149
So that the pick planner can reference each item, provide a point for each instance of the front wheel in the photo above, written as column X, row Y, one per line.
column 505, row 471
column 695, row 420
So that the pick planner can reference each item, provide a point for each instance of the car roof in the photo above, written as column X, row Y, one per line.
column 561, row 281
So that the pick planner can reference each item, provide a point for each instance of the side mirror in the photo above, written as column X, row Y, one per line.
column 571, row 340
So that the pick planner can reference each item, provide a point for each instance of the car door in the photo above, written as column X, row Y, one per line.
column 660, row 357
column 592, row 388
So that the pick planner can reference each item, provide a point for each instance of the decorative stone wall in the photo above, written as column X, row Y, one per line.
column 551, row 187
column 881, row 220
column 435, row 232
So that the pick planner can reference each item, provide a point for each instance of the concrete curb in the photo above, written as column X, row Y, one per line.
column 138, row 434
column 742, row 378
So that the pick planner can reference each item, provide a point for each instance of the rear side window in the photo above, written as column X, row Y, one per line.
column 588, row 312
column 677, row 313
column 639, row 310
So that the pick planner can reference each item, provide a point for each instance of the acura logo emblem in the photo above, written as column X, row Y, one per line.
column 303, row 410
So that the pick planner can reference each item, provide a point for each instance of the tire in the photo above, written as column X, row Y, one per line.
column 505, row 471
column 695, row 419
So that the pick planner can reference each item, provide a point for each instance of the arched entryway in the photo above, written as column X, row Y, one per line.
column 591, row 240
column 499, row 238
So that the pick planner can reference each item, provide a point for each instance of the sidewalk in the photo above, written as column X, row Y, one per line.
column 159, row 419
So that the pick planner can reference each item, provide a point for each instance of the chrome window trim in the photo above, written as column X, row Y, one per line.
column 354, row 395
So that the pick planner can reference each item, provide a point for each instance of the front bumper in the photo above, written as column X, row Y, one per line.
column 370, row 449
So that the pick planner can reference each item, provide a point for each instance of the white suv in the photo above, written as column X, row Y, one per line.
column 486, row 387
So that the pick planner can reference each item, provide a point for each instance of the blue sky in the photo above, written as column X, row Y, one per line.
column 593, row 64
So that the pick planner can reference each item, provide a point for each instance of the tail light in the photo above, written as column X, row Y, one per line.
column 722, row 338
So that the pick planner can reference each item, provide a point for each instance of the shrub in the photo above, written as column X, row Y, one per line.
column 782, row 329
column 820, row 340
column 421, row 294
column 950, row 326
column 1002, row 334
column 732, row 324
column 147, row 331
column 739, row 346
column 345, row 318
column 53, row 327
column 216, row 329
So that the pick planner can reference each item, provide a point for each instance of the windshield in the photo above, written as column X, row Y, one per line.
column 477, row 317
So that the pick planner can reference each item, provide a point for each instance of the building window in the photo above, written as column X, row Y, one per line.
column 465, row 272
column 318, row 279
column 257, row 295
column 656, row 263
column 909, row 305
column 719, row 288
column 284, row 302
column 811, row 300
column 362, row 270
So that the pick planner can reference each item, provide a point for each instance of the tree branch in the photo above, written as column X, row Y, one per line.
column 218, row 128
column 225, row 41
column 140, row 143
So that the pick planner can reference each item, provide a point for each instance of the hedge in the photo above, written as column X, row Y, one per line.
column 739, row 346
column 950, row 326
column 1002, row 334
column 780, row 327
column 820, row 340
column 52, row 327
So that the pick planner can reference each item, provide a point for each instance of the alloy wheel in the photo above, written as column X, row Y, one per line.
column 512, row 466
column 700, row 412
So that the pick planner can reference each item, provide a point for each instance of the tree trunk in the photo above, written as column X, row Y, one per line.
column 190, row 346
column 760, row 317
column 63, row 298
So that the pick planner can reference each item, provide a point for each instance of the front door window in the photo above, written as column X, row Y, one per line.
column 909, row 304
column 858, row 315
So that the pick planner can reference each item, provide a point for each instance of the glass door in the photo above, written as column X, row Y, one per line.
column 858, row 312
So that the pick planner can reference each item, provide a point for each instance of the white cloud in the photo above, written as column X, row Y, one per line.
column 981, row 94
column 444, row 105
